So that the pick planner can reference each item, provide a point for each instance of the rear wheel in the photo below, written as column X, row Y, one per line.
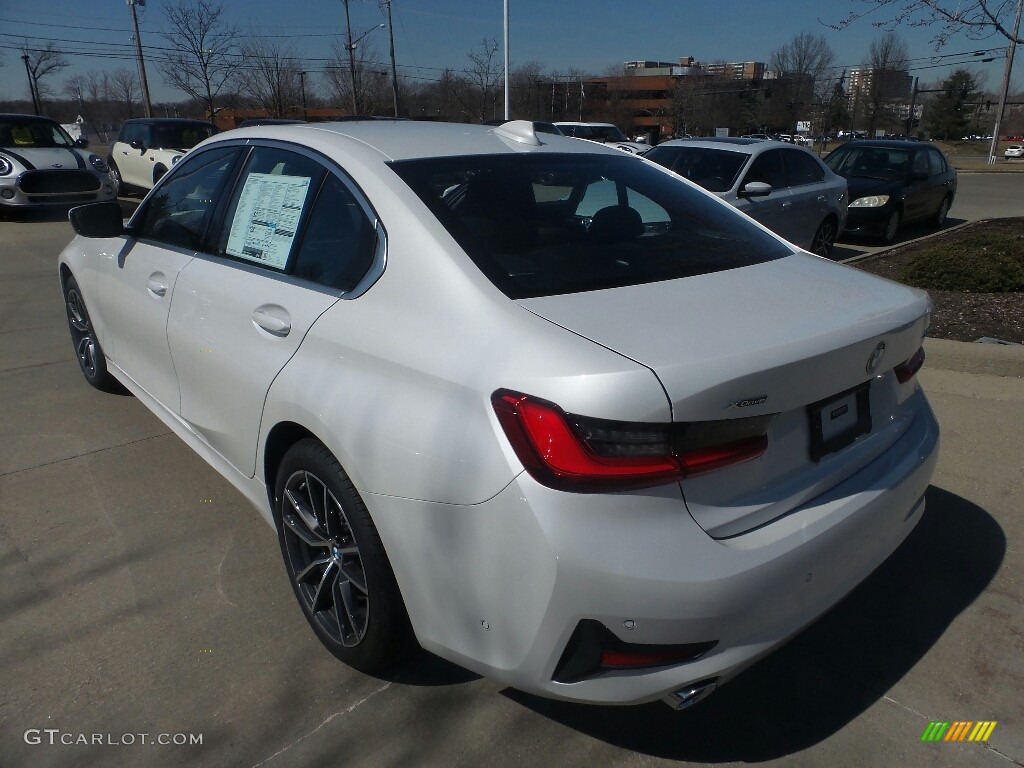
column 83, row 336
column 824, row 238
column 336, row 562
column 119, row 187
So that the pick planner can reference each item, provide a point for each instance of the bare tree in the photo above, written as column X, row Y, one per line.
column 270, row 75
column 203, row 57
column 41, row 63
column 125, row 90
column 888, row 59
column 485, row 73
column 976, row 19
column 525, row 81
column 803, row 65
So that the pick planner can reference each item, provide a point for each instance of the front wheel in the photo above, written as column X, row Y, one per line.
column 939, row 219
column 87, row 348
column 891, row 227
column 115, row 174
column 336, row 562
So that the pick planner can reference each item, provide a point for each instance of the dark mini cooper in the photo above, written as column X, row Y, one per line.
column 893, row 183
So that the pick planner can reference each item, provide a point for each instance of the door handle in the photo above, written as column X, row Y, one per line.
column 786, row 204
column 157, row 284
column 822, row 199
column 273, row 319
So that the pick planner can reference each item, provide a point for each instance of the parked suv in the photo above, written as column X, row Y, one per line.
column 603, row 133
column 147, row 148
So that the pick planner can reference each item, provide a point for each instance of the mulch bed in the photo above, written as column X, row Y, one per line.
column 960, row 316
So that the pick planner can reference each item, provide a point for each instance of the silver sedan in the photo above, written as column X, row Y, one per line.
column 547, row 409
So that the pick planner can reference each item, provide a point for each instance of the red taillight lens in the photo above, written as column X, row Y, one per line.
column 578, row 453
column 905, row 371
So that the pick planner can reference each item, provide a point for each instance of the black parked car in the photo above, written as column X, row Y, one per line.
column 893, row 183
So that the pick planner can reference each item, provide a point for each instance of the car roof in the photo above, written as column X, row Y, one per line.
column 22, row 116
column 886, row 143
column 409, row 139
column 166, row 120
column 749, row 146
column 568, row 122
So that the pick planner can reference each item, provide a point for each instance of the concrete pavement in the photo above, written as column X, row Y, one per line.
column 140, row 594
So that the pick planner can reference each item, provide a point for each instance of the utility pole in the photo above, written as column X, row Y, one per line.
column 391, row 45
column 302, row 84
column 31, row 85
column 913, row 103
column 142, row 63
column 1006, row 84
column 351, row 48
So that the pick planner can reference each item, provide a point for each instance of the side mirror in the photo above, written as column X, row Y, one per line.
column 82, row 143
column 97, row 219
column 136, row 144
column 755, row 189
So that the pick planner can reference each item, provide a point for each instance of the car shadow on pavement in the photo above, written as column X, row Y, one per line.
column 832, row 672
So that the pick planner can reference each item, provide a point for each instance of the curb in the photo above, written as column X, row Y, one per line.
column 885, row 251
column 971, row 357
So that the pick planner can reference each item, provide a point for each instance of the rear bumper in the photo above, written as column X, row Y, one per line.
column 506, row 582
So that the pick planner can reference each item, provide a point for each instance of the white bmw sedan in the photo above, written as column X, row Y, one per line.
column 557, row 414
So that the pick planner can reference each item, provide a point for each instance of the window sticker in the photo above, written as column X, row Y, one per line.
column 266, row 218
column 22, row 135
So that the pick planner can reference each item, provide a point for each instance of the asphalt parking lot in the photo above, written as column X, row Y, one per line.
column 140, row 594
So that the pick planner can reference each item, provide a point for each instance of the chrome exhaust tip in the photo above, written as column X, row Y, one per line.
column 686, row 697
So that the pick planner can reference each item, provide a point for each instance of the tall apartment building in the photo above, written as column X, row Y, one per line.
column 861, row 83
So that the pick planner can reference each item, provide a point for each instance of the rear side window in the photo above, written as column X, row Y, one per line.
column 936, row 162
column 548, row 224
column 802, row 169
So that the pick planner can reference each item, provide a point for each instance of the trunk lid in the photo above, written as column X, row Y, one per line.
column 772, row 338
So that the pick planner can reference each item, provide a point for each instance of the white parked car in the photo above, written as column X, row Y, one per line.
column 603, row 454
column 603, row 133
column 41, row 165
column 1014, row 150
column 146, row 148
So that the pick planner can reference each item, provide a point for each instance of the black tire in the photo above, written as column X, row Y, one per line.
column 118, row 181
column 892, row 227
column 336, row 562
column 825, row 238
column 87, row 348
column 939, row 219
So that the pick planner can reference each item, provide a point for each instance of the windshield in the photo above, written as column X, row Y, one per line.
column 181, row 136
column 607, row 133
column 32, row 134
column 880, row 163
column 549, row 224
column 714, row 169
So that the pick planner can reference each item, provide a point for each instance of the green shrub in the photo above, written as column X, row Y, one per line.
column 986, row 263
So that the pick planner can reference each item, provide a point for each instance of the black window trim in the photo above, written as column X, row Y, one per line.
column 217, row 220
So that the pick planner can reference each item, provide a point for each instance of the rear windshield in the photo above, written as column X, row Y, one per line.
column 714, row 169
column 548, row 224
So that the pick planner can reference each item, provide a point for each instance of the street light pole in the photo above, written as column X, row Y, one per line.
column 394, row 69
column 31, row 85
column 508, row 102
column 351, row 47
column 142, row 63
column 1006, row 84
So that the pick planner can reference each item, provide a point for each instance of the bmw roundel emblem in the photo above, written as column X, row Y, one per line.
column 875, row 359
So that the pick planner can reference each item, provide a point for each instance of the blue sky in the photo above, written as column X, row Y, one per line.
column 433, row 34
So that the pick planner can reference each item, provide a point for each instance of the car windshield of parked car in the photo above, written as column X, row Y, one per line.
column 551, row 224
column 714, row 169
column 32, row 134
column 884, row 163
column 181, row 136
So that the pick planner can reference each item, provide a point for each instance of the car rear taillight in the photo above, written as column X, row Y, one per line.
column 906, row 370
column 579, row 453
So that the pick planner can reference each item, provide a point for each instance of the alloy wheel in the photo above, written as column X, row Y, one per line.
column 324, row 559
column 82, row 335
column 824, row 238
